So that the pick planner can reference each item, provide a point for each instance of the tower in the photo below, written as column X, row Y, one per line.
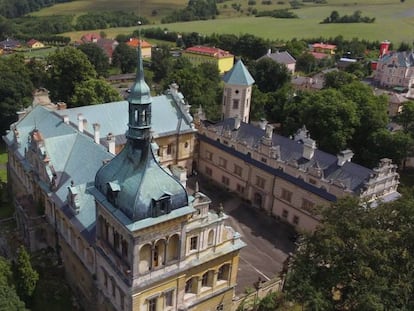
column 384, row 46
column 237, row 92
column 157, row 248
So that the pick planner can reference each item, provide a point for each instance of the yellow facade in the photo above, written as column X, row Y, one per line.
column 224, row 64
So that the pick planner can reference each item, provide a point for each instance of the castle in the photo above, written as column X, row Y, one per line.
column 128, row 233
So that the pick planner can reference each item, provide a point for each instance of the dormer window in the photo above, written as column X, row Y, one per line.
column 161, row 206
column 112, row 191
column 74, row 198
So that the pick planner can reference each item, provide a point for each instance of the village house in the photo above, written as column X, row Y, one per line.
column 281, row 58
column 205, row 54
column 145, row 46
column 34, row 44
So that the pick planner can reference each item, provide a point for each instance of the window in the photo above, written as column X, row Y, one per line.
column 260, row 182
column 286, row 195
column 207, row 279
column 116, row 240
column 155, row 256
column 209, row 171
column 222, row 162
column 225, row 180
column 209, row 155
column 190, row 285
column 237, row 170
column 240, row 188
column 169, row 298
column 312, row 181
column 307, row 205
column 193, row 243
column 285, row 213
column 295, row 220
column 210, row 239
column 152, row 304
column 169, row 149
column 236, row 104
column 223, row 273
column 264, row 160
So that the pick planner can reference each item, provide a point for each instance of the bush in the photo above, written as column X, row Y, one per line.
column 251, row 2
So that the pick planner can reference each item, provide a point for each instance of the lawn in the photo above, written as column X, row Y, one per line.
column 394, row 21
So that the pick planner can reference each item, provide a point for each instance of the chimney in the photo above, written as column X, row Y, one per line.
column 237, row 122
column 269, row 131
column 263, row 123
column 269, row 51
column 65, row 119
column 111, row 143
column 309, row 147
column 301, row 134
column 80, row 122
column 61, row 106
column 96, row 134
column 344, row 156
column 21, row 114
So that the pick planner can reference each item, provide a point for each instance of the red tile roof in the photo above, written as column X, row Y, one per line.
column 133, row 42
column 324, row 46
column 206, row 50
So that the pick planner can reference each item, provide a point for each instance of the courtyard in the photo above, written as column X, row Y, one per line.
column 269, row 241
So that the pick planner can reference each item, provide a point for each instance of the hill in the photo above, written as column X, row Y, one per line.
column 394, row 20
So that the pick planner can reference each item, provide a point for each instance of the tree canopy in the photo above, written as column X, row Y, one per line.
column 26, row 277
column 15, row 89
column 360, row 258
column 125, row 57
column 97, row 57
column 67, row 68
column 9, row 300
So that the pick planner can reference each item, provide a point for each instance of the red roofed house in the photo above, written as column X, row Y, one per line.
column 108, row 46
column 90, row 38
column 145, row 46
column 322, row 50
column 34, row 44
column 205, row 54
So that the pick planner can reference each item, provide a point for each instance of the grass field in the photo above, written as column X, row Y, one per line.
column 394, row 20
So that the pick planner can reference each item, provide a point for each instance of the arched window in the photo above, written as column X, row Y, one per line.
column 145, row 258
column 173, row 247
column 223, row 273
column 210, row 239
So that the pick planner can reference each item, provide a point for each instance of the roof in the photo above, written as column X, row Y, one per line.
column 66, row 150
column 209, row 51
column 134, row 42
column 324, row 46
column 238, row 75
column 320, row 55
column 9, row 43
column 280, row 57
column 398, row 59
column 108, row 45
column 90, row 37
column 168, row 118
column 351, row 175
column 31, row 42
column 146, row 189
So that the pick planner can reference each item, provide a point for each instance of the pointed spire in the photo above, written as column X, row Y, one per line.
column 139, row 103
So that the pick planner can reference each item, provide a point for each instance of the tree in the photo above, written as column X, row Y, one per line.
column 26, row 277
column 161, row 62
column 94, row 91
column 329, row 116
column 270, row 75
column 9, row 301
column 15, row 89
column 306, row 62
column 67, row 68
column 360, row 258
column 125, row 57
column 406, row 117
column 336, row 79
column 97, row 57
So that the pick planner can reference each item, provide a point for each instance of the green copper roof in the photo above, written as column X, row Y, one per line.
column 140, row 91
column 134, row 181
column 238, row 75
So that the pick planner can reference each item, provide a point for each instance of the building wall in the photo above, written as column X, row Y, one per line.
column 223, row 64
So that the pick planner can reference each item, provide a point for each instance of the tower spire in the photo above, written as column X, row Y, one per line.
column 139, row 102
